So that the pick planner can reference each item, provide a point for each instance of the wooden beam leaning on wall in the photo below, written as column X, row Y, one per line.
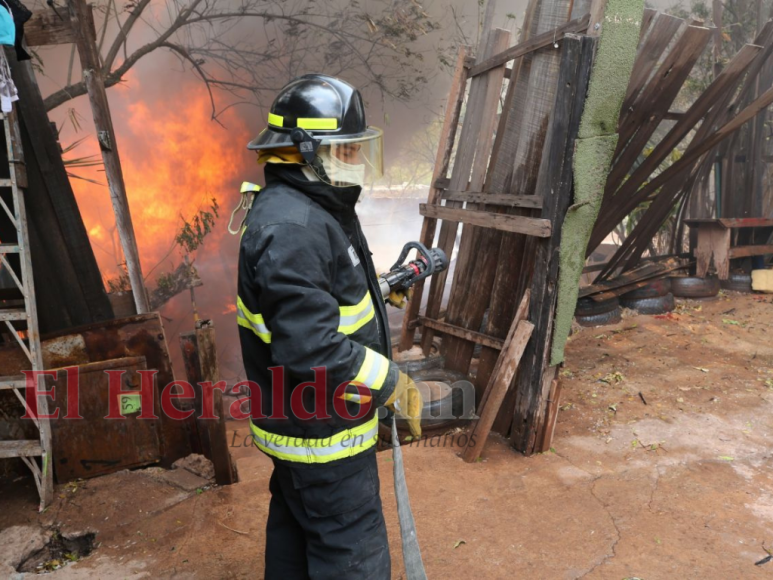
column 554, row 184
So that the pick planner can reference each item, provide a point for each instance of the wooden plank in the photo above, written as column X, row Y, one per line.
column 680, row 174
column 442, row 160
column 539, row 41
column 538, row 227
column 20, row 448
column 459, row 332
column 746, row 251
column 500, row 167
column 520, row 314
column 503, row 199
column 517, row 167
column 642, row 272
column 656, row 98
column 753, row 222
column 473, row 262
column 682, row 182
column 694, row 154
column 551, row 416
column 527, row 405
column 46, row 27
column 647, row 18
column 501, row 379
column 727, row 80
column 483, row 89
column 662, row 32
column 501, row 305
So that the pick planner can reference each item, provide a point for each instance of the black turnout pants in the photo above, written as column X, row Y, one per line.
column 325, row 522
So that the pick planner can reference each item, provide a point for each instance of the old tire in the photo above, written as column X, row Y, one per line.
column 587, row 307
column 653, row 305
column 654, row 289
column 413, row 360
column 737, row 282
column 603, row 319
column 694, row 287
column 442, row 397
column 443, row 392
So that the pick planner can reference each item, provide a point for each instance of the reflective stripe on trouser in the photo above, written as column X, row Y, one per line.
column 253, row 322
column 347, row 443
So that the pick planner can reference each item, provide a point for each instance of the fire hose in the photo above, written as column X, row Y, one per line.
column 399, row 278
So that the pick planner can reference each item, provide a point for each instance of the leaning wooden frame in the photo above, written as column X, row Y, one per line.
column 509, row 186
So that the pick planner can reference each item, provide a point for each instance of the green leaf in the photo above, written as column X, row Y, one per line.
column 725, row 458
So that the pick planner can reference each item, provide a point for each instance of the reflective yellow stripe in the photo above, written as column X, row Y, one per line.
column 275, row 120
column 355, row 317
column 318, row 124
column 344, row 444
column 373, row 371
column 310, row 124
column 247, row 186
column 253, row 322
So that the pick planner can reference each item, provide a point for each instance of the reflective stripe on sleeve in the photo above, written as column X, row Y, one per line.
column 253, row 322
column 355, row 317
column 373, row 371
column 344, row 444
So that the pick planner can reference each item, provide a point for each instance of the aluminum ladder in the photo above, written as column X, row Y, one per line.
column 20, row 316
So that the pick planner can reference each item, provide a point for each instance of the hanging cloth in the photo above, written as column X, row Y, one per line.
column 8, row 92
column 7, row 27
column 20, row 16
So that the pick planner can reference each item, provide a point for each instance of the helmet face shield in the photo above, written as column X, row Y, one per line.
column 354, row 160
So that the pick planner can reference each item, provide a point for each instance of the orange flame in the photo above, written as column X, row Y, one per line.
column 175, row 161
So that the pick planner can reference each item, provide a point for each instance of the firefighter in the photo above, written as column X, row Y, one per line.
column 315, row 337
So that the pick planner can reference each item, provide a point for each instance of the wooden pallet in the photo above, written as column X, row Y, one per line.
column 504, row 225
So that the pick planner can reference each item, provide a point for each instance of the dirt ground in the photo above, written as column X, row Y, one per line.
column 679, row 487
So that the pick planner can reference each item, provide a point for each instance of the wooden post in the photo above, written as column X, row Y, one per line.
column 200, row 357
column 85, row 37
column 213, row 431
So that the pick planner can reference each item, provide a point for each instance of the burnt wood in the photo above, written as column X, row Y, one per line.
column 555, row 183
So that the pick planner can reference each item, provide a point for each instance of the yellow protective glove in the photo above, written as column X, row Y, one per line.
column 399, row 298
column 406, row 403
